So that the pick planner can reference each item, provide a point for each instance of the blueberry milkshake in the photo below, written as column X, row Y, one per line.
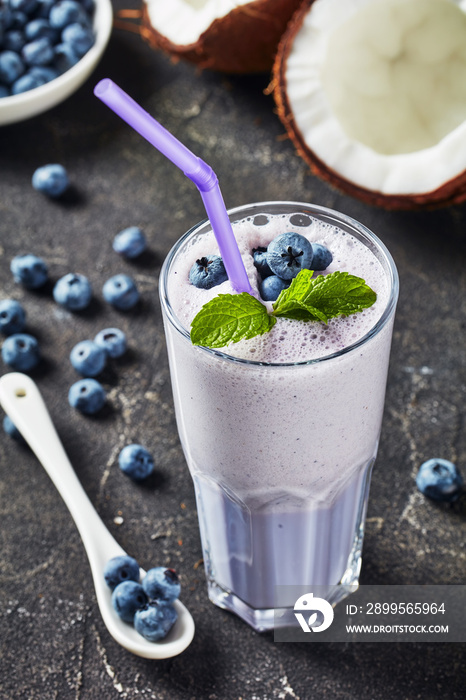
column 280, row 430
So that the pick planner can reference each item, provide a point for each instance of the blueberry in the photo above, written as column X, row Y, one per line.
column 89, row 6
column 260, row 261
column 51, row 179
column 289, row 253
column 87, row 396
column 5, row 16
column 64, row 58
column 161, row 584
column 127, row 598
column 271, row 287
column 78, row 37
column 18, row 20
column 321, row 257
column 38, row 52
column 440, row 480
column 66, row 12
column 29, row 270
column 155, row 620
column 14, row 40
column 43, row 73
column 39, row 28
column 73, row 291
column 11, row 67
column 26, row 6
column 4, row 92
column 88, row 358
column 112, row 340
column 10, row 429
column 12, row 316
column 25, row 83
column 121, row 291
column 43, row 8
column 21, row 352
column 135, row 461
column 119, row 569
column 207, row 272
column 130, row 242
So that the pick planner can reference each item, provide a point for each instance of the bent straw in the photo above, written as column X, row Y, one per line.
column 193, row 167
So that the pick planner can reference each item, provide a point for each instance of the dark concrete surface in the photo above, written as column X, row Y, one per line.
column 53, row 642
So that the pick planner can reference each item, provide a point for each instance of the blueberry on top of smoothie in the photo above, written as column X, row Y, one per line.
column 260, row 261
column 207, row 272
column 321, row 257
column 288, row 254
column 271, row 287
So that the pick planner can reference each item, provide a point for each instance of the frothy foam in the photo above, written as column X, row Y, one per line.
column 289, row 341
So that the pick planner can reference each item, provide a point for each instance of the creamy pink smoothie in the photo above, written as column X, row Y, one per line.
column 280, row 432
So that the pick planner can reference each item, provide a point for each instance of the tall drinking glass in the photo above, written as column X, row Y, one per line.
column 280, row 453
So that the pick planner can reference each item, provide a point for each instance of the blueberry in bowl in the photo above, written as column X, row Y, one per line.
column 44, row 62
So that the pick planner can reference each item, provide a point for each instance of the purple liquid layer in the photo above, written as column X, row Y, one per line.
column 283, row 543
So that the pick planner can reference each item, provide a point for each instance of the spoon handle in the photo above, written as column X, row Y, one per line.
column 23, row 402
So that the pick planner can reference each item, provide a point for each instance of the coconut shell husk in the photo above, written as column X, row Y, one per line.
column 244, row 41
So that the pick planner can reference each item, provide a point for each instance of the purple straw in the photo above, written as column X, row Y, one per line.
column 193, row 167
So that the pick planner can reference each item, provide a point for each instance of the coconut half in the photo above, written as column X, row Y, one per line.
column 373, row 95
column 223, row 35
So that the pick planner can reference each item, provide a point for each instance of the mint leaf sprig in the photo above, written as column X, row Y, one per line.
column 229, row 318
column 326, row 296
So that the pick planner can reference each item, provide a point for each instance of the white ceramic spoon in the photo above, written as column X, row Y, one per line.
column 23, row 402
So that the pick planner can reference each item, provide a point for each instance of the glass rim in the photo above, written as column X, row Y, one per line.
column 386, row 315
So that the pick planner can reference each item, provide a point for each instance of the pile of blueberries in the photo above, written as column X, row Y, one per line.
column 40, row 40
column 277, row 265
column 148, row 605
column 72, row 291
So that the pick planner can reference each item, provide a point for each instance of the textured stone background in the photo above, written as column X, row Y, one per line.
column 53, row 641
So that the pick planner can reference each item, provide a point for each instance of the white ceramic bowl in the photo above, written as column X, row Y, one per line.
column 27, row 104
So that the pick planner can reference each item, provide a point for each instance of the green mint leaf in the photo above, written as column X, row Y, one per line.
column 229, row 318
column 323, row 297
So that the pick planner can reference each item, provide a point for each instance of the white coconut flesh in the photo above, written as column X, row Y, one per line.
column 377, row 89
column 183, row 21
